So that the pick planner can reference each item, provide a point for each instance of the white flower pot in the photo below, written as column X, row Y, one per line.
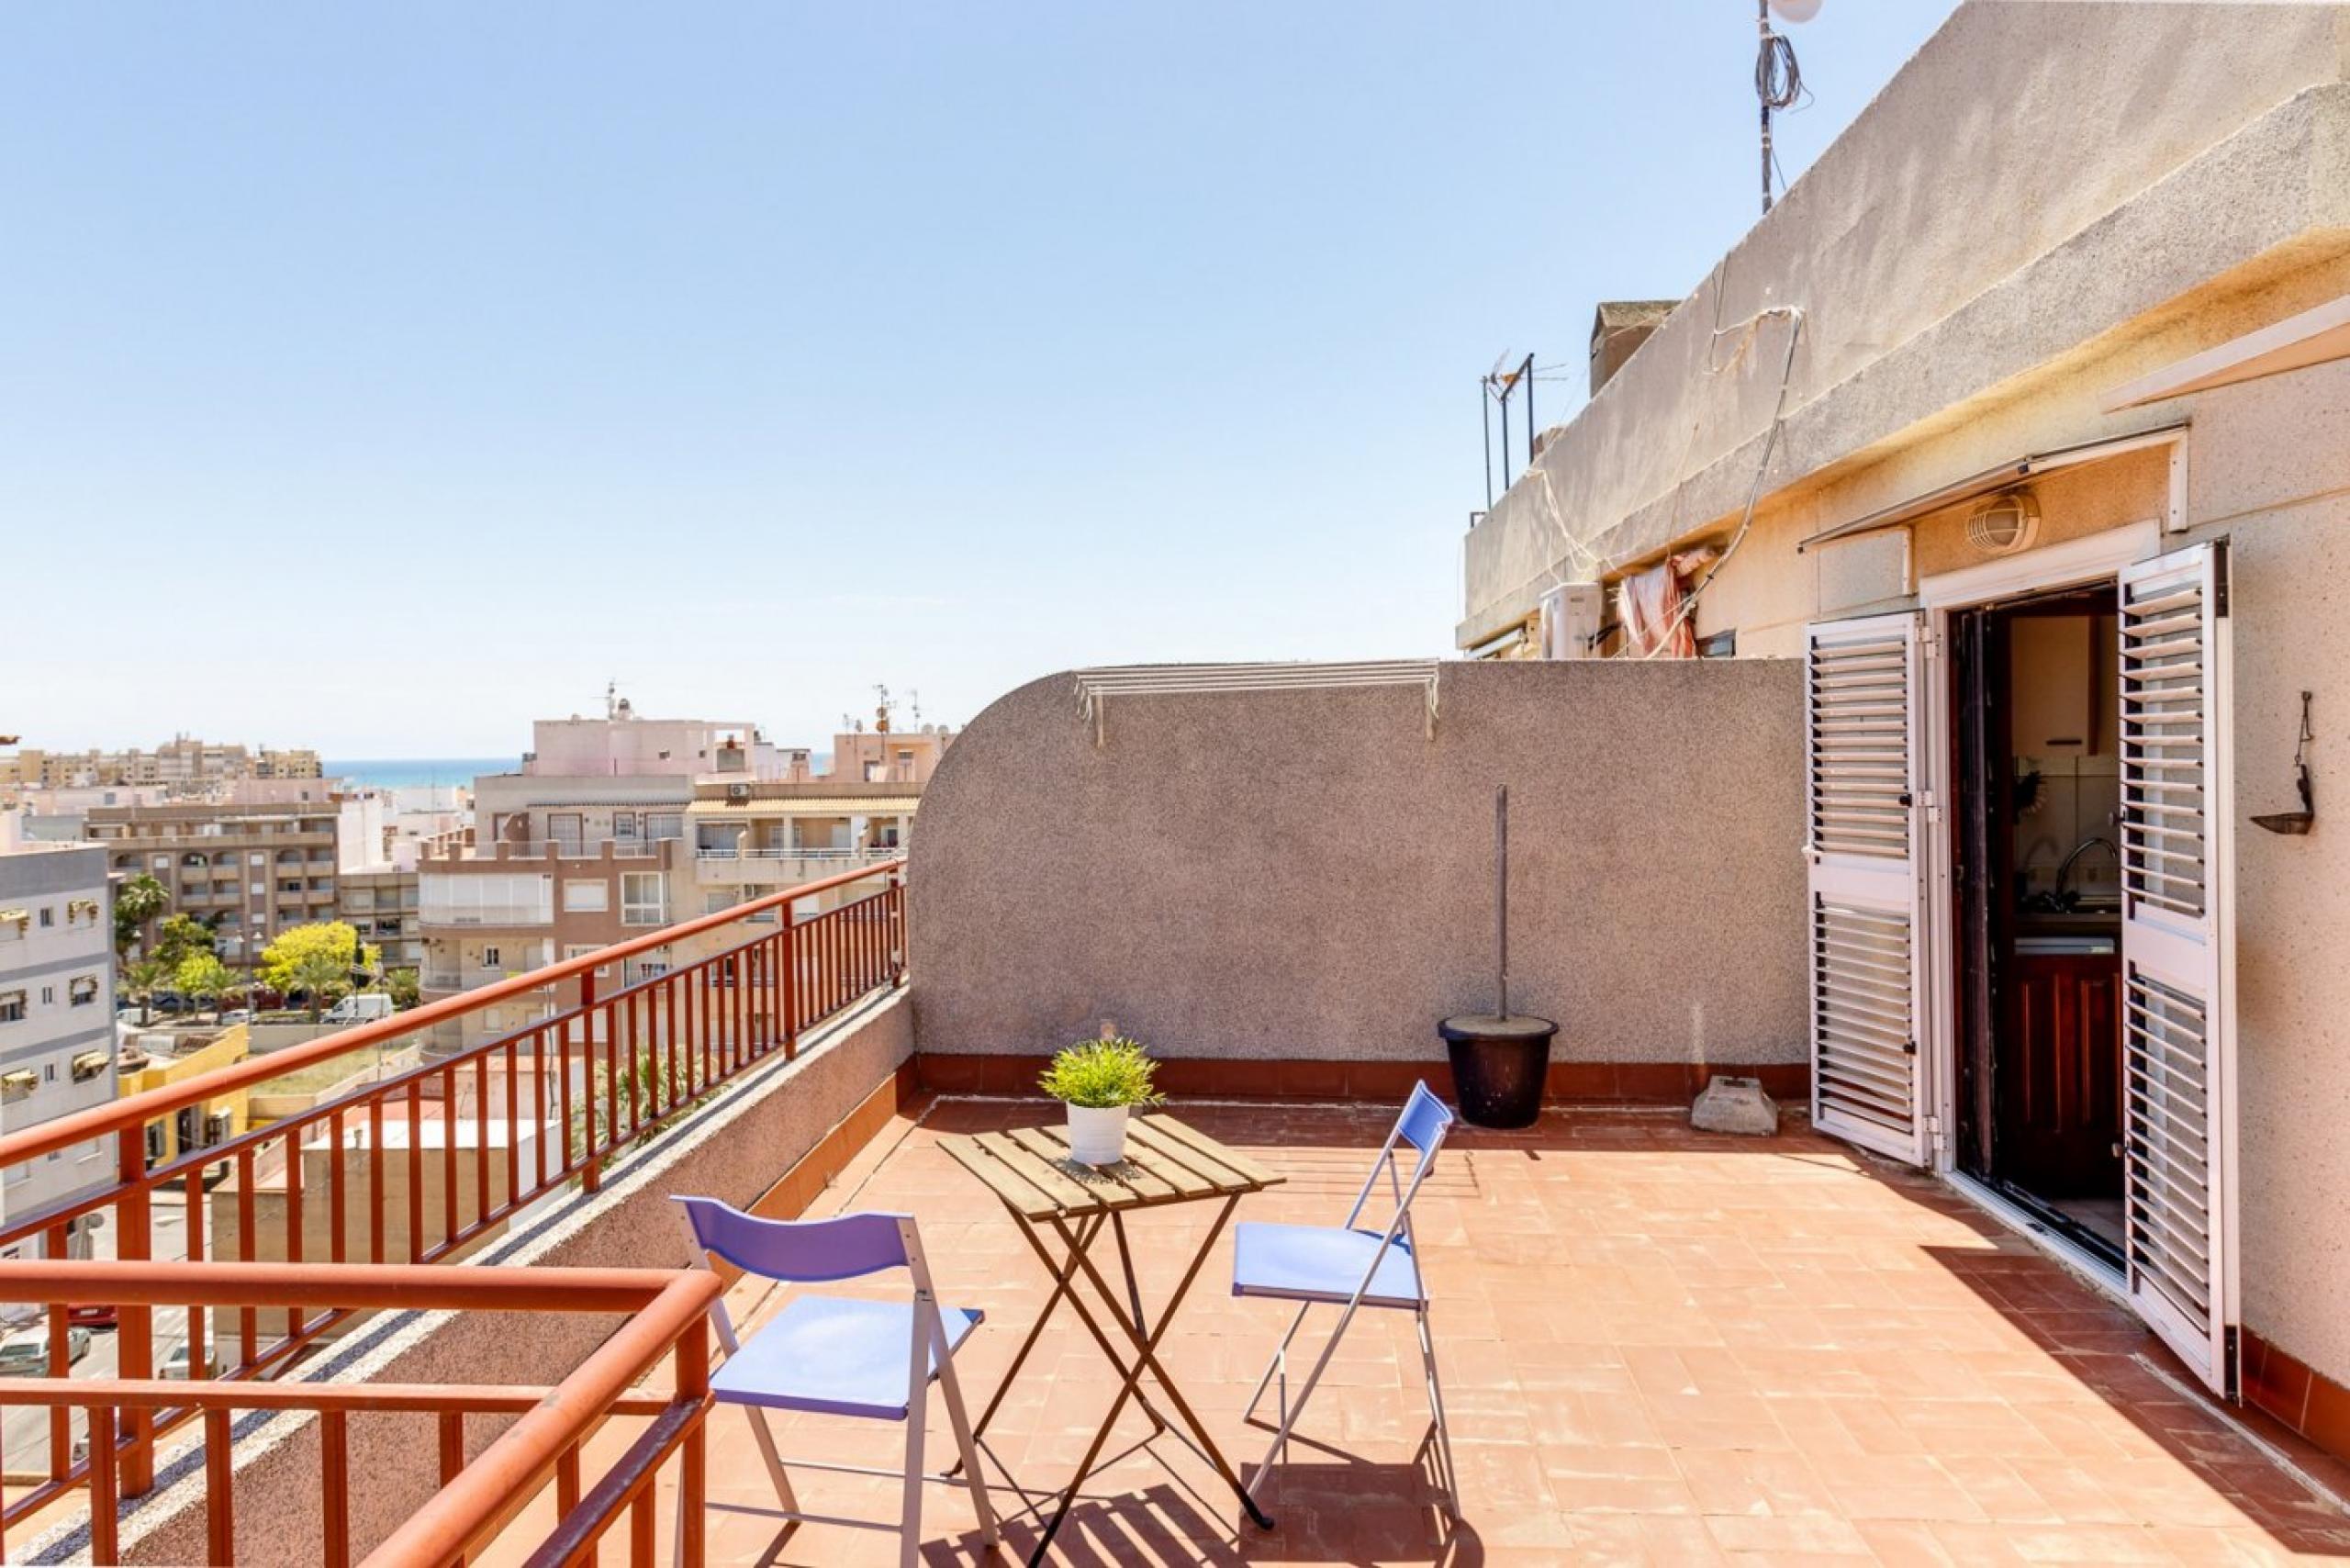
column 1097, row 1134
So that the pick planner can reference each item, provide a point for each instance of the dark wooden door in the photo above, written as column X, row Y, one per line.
column 2059, row 1072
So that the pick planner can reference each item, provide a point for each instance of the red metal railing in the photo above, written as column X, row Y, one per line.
column 353, row 1180
column 666, row 1315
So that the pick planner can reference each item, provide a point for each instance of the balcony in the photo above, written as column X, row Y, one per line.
column 730, row 867
column 1657, row 1345
column 567, row 849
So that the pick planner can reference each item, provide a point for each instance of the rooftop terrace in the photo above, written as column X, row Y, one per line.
column 1657, row 1345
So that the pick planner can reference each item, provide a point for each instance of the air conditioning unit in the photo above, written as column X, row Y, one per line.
column 738, row 792
column 1571, row 614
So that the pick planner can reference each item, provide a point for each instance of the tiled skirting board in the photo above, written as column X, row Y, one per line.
column 1596, row 1082
column 2310, row 1403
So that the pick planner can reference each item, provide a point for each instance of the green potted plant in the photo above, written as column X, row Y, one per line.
column 1101, row 1082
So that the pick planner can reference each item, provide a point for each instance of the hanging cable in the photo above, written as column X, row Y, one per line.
column 1686, row 609
column 1778, row 80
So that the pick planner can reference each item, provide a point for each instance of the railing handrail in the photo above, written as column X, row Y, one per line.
column 134, row 1110
column 452, row 1522
column 407, row 1287
column 773, row 852
column 666, row 1312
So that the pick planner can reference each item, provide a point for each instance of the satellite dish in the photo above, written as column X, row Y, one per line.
column 1794, row 10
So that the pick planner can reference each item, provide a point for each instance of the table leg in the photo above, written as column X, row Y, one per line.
column 1134, row 1296
column 1064, row 1278
column 1146, row 1345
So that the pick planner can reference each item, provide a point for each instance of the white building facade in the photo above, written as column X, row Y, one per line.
column 57, row 1027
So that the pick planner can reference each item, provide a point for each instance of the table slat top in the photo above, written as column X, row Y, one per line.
column 1167, row 1162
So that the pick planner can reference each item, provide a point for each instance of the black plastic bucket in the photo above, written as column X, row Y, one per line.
column 1499, row 1065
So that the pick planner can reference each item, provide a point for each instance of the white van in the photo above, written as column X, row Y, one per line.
column 361, row 1007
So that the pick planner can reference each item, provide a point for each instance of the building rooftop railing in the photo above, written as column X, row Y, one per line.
column 842, row 856
column 509, row 1121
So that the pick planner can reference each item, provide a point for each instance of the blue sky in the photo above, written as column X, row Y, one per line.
column 379, row 378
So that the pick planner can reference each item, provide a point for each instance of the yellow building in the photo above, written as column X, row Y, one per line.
column 155, row 1060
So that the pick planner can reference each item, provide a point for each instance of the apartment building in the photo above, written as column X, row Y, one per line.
column 57, row 1034
column 750, row 839
column 381, row 903
column 584, row 846
column 618, row 825
column 2050, row 509
column 57, row 815
column 180, row 763
column 885, row 754
column 249, row 870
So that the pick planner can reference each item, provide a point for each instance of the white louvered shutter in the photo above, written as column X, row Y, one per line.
column 2177, row 1061
column 1860, row 732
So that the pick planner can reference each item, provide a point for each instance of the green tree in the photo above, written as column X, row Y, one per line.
column 318, row 959
column 322, row 979
column 180, row 938
column 203, row 978
column 138, row 900
column 141, row 978
column 406, row 985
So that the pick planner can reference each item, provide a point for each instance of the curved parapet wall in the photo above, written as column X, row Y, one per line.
column 1307, row 875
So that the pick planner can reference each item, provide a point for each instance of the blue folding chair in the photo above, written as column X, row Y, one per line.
column 837, row 1356
column 1350, row 1267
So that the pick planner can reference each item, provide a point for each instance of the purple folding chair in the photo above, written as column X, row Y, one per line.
column 838, row 1356
column 1350, row 1267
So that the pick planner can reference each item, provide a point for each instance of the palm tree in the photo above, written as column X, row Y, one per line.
column 140, row 900
column 317, row 973
column 142, row 980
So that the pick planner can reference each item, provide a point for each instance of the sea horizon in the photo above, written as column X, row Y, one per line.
column 410, row 772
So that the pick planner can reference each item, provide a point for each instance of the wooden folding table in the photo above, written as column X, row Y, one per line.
column 1167, row 1162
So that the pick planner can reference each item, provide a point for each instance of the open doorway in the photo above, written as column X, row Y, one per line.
column 2037, row 882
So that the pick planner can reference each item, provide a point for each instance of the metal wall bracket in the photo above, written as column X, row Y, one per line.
column 1096, row 687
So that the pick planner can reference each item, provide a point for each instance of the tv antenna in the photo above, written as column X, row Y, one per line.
column 1495, row 388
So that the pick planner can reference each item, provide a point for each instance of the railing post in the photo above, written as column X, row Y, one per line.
column 789, row 945
column 693, row 1382
column 899, row 957
column 591, row 1175
column 135, row 1331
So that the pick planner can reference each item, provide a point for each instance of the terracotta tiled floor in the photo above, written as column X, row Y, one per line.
column 1658, row 1345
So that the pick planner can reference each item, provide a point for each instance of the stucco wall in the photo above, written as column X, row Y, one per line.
column 2042, row 203
column 735, row 1149
column 2268, row 468
column 1309, row 875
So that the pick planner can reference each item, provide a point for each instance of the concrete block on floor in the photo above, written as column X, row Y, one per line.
column 1735, row 1105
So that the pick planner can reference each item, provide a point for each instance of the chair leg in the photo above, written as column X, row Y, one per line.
column 1290, row 1413
column 965, row 1446
column 1436, row 1409
column 1263, row 1383
column 910, row 1548
column 764, row 1435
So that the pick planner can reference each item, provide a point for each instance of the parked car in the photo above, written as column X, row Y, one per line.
column 94, row 1317
column 26, row 1354
column 175, row 1365
column 360, row 1007
column 237, row 1015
